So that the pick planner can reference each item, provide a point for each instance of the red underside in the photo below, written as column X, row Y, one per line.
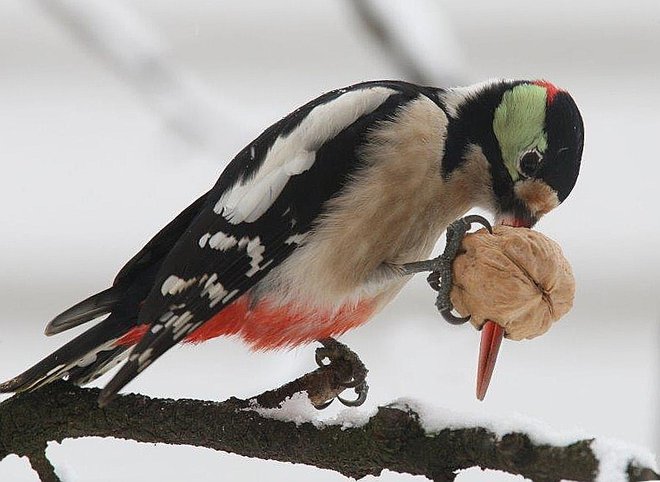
column 265, row 327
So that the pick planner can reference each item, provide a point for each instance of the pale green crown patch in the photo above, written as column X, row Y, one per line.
column 519, row 124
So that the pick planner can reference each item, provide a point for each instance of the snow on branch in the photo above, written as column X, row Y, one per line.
column 283, row 425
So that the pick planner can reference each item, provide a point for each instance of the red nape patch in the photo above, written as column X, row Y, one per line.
column 550, row 88
column 133, row 336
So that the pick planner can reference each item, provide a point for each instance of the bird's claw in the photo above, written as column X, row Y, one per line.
column 456, row 231
column 335, row 352
column 468, row 221
column 325, row 405
column 441, row 278
column 434, row 280
column 361, row 390
column 452, row 318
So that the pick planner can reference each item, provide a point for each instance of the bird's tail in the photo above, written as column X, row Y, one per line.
column 96, row 305
column 90, row 354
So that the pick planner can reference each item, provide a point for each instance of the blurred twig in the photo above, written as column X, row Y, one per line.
column 393, row 438
column 381, row 31
column 422, row 45
column 117, row 34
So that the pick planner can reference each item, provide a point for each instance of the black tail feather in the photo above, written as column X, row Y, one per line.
column 82, row 359
column 104, row 362
column 97, row 305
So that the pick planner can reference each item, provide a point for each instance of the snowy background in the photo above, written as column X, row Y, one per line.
column 93, row 165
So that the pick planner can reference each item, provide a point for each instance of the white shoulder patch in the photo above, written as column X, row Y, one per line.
column 454, row 98
column 295, row 153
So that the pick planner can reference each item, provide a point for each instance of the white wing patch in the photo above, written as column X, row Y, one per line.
column 174, row 285
column 222, row 241
column 210, row 285
column 214, row 290
column 295, row 153
column 296, row 238
column 91, row 356
column 204, row 239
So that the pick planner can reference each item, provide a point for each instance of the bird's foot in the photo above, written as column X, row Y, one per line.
column 351, row 372
column 441, row 277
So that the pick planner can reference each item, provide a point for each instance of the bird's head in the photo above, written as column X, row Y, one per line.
column 530, row 134
column 539, row 132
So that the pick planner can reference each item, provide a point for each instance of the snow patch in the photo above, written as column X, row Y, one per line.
column 614, row 456
column 352, row 418
column 435, row 419
column 297, row 409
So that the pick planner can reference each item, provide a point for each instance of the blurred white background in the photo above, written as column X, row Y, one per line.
column 90, row 171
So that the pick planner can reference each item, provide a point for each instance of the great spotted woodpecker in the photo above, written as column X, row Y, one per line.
column 307, row 232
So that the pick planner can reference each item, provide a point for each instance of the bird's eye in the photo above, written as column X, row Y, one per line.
column 530, row 163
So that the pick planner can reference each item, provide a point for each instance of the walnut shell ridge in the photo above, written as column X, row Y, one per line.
column 516, row 277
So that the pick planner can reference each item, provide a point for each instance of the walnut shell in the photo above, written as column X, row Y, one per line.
column 516, row 277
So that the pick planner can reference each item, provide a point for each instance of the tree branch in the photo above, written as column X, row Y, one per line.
column 393, row 438
column 42, row 466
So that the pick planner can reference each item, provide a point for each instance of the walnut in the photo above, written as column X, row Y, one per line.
column 516, row 277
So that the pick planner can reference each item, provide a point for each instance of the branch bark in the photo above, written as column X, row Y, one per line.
column 392, row 439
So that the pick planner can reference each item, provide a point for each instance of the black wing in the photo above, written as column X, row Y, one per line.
column 222, row 255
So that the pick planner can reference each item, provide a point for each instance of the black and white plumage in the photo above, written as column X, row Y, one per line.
column 305, row 227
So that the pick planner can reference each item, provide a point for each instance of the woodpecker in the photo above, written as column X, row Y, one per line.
column 308, row 231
